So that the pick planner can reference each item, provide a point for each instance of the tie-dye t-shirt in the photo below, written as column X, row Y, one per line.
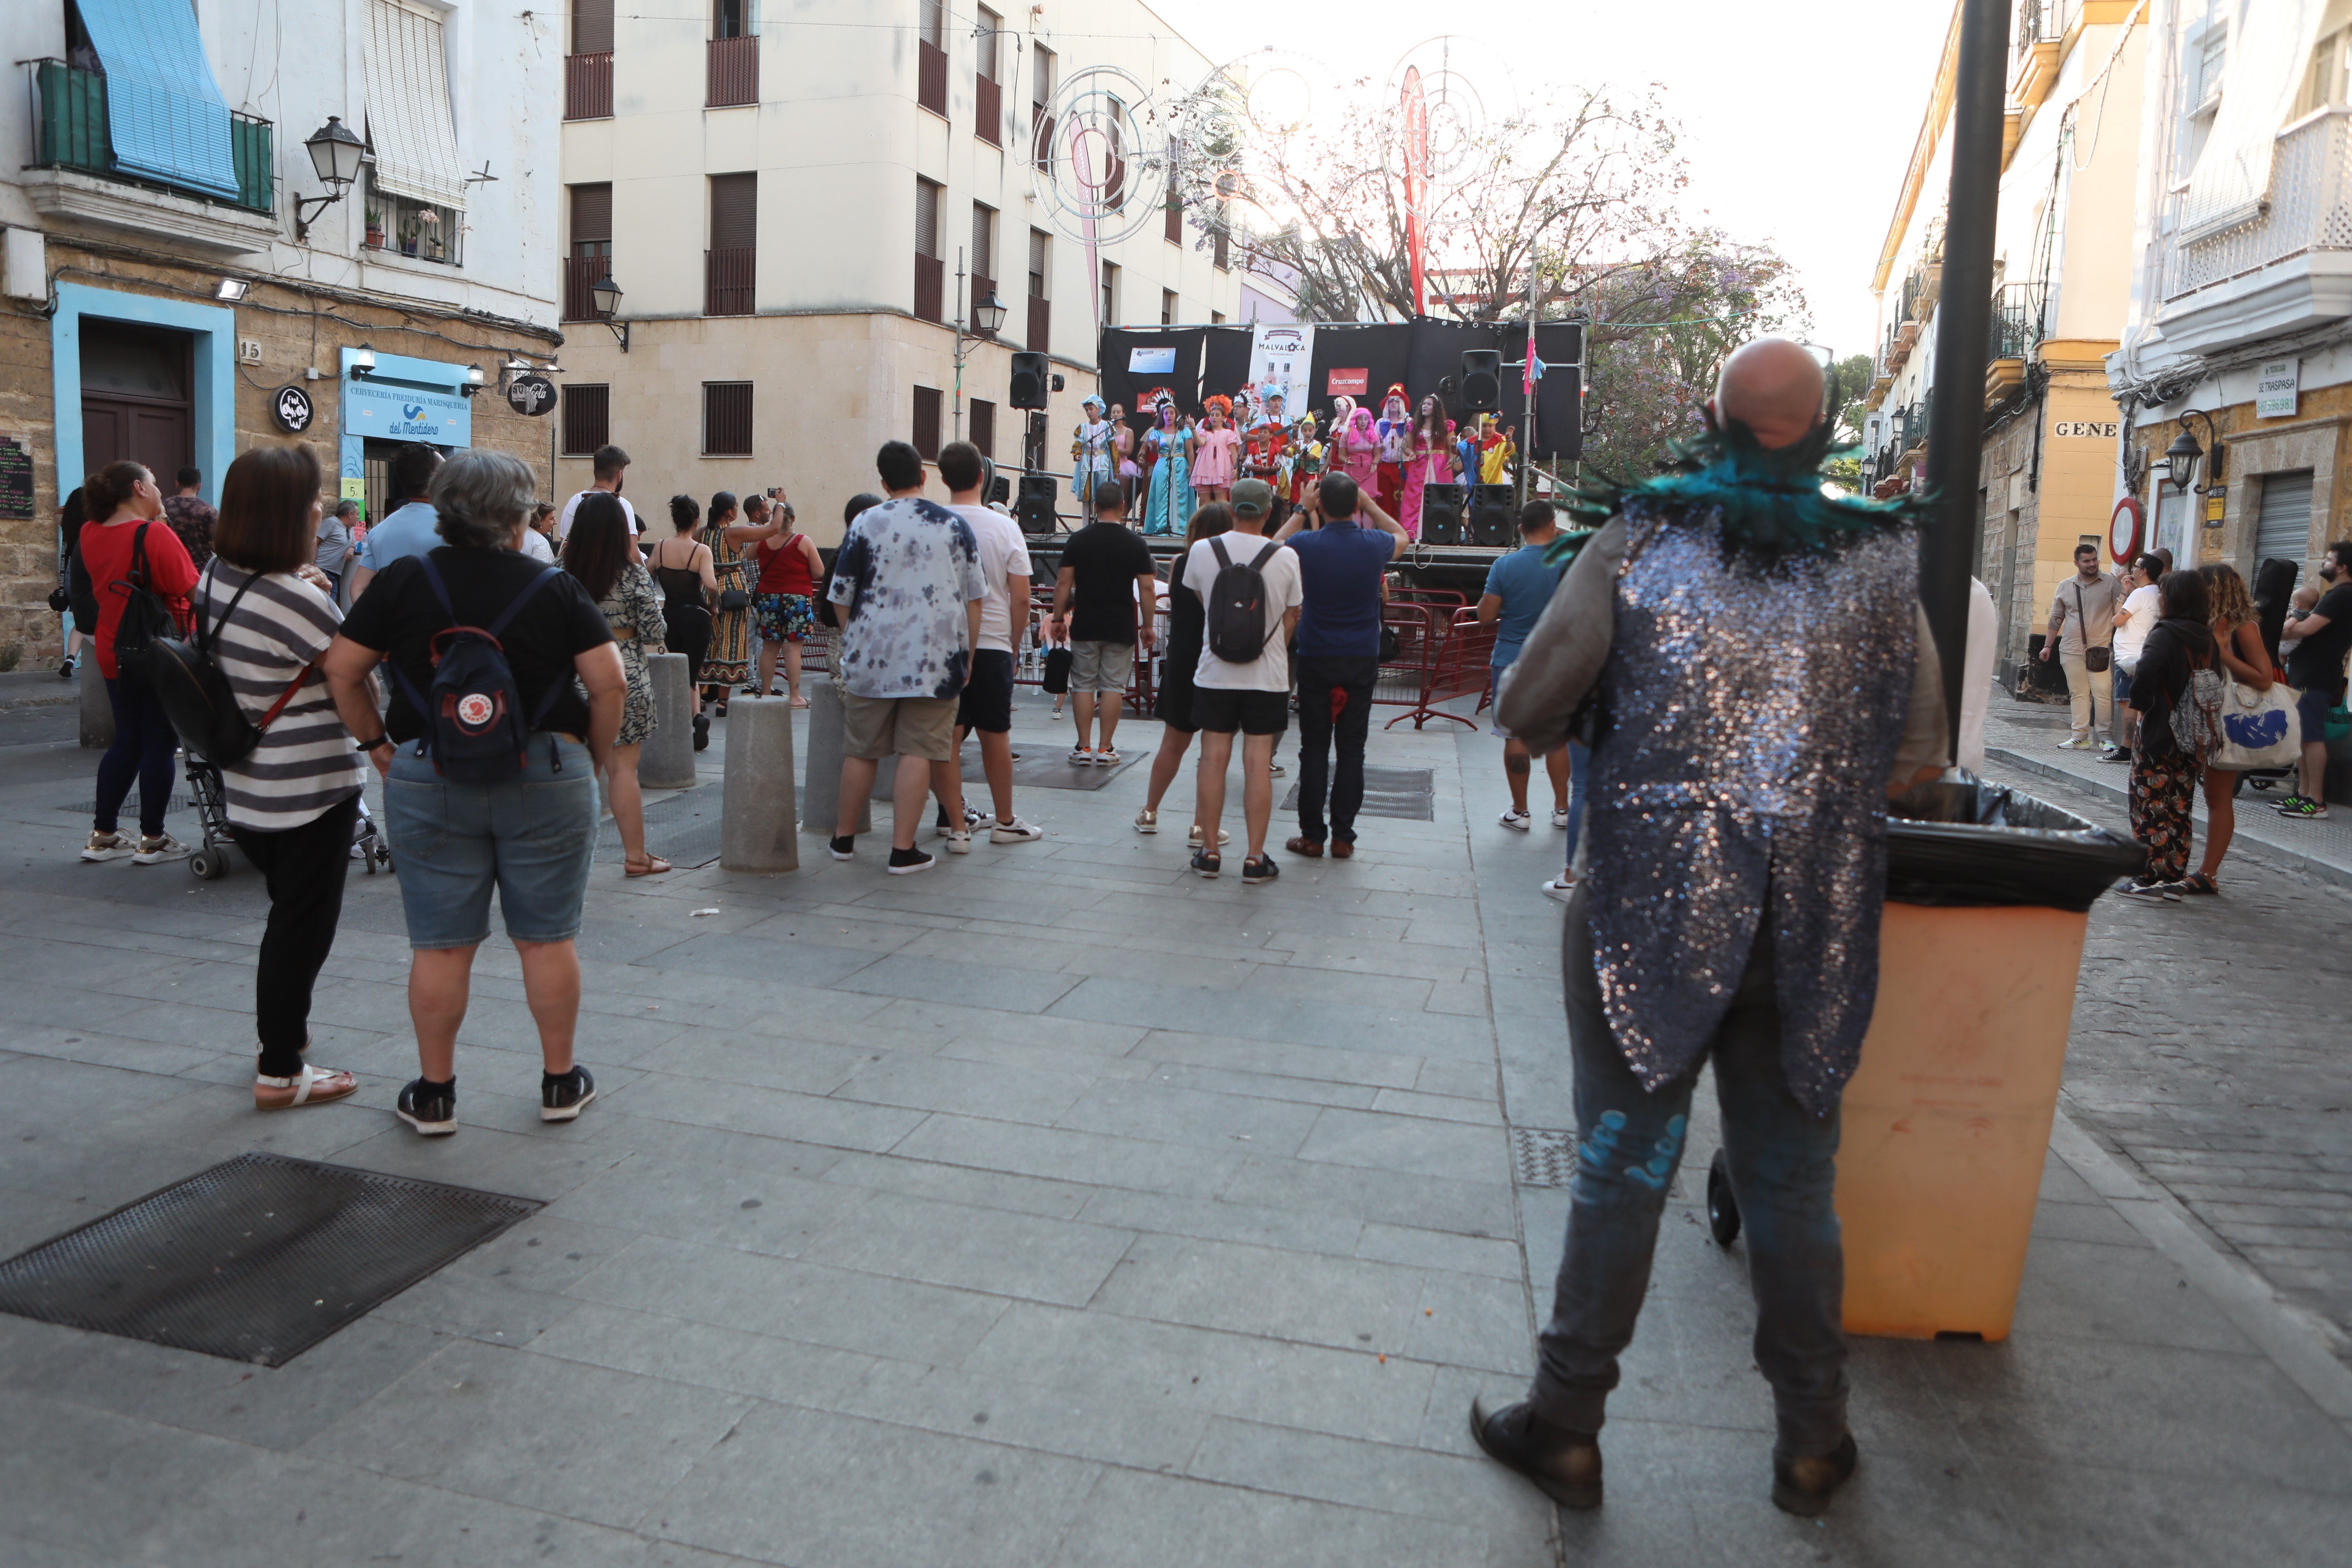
column 903, row 576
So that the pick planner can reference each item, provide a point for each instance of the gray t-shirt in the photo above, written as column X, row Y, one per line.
column 2076, row 603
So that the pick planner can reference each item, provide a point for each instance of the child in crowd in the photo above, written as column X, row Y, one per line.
column 2306, row 599
column 1054, row 654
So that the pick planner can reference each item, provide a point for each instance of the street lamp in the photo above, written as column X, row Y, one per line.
column 362, row 361
column 2180, row 458
column 474, row 379
column 988, row 315
column 605, row 295
column 335, row 155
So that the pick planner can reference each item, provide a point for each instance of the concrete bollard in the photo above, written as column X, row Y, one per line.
column 758, row 807
column 667, row 760
column 97, row 710
column 821, row 789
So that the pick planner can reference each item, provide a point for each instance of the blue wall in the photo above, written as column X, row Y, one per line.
column 214, row 364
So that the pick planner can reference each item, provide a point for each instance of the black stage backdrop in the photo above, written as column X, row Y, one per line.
column 1424, row 355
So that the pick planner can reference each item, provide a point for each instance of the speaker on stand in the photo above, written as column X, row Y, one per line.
column 1035, row 510
column 1490, row 518
column 1441, row 515
column 1482, row 381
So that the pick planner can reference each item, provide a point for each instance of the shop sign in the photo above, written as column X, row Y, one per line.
column 2092, row 430
column 530, row 394
column 2276, row 387
column 292, row 408
column 15, row 478
column 387, row 411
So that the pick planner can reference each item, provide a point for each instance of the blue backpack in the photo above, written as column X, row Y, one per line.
column 477, row 729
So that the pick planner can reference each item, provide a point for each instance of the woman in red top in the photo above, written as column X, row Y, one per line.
column 128, row 505
column 784, row 602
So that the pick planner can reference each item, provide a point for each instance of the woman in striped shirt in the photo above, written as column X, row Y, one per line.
column 293, row 804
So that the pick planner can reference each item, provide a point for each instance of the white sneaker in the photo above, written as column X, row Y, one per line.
column 107, row 846
column 1518, row 821
column 1108, row 758
column 1081, row 757
column 155, row 851
column 960, row 842
column 1560, row 817
column 1559, row 887
column 1013, row 830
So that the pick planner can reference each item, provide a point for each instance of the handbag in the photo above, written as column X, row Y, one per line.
column 2259, row 728
column 146, row 618
column 2094, row 659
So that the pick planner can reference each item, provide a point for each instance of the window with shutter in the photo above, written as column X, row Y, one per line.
column 926, row 423
column 985, row 51
column 983, row 247
column 983, row 426
column 2283, row 527
column 931, row 56
column 927, row 217
column 1041, row 95
column 933, row 16
column 409, row 120
column 732, row 259
column 591, row 27
column 587, row 419
column 1175, row 230
column 930, row 270
column 727, row 18
column 1168, row 307
column 1109, row 294
column 1037, row 242
column 726, row 418
column 588, row 68
column 591, row 250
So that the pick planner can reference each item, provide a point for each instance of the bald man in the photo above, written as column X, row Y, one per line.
column 1749, row 723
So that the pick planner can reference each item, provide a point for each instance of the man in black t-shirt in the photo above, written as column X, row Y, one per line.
column 2315, row 671
column 1106, row 579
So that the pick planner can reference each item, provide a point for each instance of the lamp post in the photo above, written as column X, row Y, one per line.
column 335, row 155
column 606, row 297
column 987, row 318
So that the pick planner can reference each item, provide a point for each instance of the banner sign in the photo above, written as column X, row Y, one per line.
column 1351, row 383
column 388, row 412
column 2275, row 387
column 1280, row 358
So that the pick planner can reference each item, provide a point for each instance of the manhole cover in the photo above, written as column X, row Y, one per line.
column 257, row 1259
column 1046, row 764
column 682, row 829
column 1542, row 1158
column 1407, row 792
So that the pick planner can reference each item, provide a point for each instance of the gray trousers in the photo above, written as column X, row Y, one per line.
column 1629, row 1144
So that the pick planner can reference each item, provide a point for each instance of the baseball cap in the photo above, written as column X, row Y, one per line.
column 1255, row 497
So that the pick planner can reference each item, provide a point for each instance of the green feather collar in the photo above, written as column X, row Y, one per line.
column 1770, row 501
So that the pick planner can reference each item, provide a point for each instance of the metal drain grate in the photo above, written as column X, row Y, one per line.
column 257, row 1259
column 1410, row 793
column 682, row 829
column 1542, row 1158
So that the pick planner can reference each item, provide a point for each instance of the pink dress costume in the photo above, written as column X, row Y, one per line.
column 1359, row 457
column 1216, row 453
column 1427, row 466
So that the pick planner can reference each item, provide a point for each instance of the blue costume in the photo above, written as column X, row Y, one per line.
column 1168, row 506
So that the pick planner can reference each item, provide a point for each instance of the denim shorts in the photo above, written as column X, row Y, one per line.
column 2311, row 706
column 532, row 837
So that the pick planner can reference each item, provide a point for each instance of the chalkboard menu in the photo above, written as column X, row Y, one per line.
column 15, row 479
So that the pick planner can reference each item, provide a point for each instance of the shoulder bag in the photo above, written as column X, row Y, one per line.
column 2094, row 659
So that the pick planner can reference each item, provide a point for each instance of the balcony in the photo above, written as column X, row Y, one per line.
column 1041, row 325
column 580, row 276
column 588, row 86
column 73, row 139
column 2016, row 332
column 2287, row 268
column 2035, row 46
column 731, row 72
column 932, row 77
column 988, row 110
column 726, row 287
column 931, row 289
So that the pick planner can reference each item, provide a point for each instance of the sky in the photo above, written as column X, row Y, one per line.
column 1798, row 116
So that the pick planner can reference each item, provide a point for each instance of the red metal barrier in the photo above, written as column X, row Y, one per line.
column 1459, row 650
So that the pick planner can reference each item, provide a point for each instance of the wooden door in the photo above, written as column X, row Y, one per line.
column 135, row 400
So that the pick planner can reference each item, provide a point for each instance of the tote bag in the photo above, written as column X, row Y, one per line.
column 2259, row 728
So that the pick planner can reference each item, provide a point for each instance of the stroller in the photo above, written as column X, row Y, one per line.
column 209, row 861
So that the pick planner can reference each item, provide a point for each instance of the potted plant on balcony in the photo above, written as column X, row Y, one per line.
column 430, row 233
column 375, row 228
column 408, row 239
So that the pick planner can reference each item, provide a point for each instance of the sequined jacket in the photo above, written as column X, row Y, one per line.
column 1749, row 717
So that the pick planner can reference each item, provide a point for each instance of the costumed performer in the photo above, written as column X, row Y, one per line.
column 1359, row 453
column 1216, row 452
column 1306, row 459
column 1429, row 461
column 1091, row 448
column 1168, row 460
column 1730, row 906
column 1497, row 448
column 1122, row 446
column 1393, row 430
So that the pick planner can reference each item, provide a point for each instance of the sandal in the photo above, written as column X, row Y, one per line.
column 2197, row 883
column 311, row 1086
column 651, row 866
column 800, row 702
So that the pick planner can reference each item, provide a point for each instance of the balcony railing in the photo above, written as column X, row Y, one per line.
column 932, row 77
column 580, row 276
column 727, row 281
column 731, row 70
column 1041, row 325
column 2309, row 208
column 931, row 289
column 71, row 131
column 988, row 111
column 2016, row 322
column 2038, row 22
column 588, row 86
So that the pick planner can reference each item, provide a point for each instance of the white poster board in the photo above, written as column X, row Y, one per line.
column 2276, row 386
column 1280, row 358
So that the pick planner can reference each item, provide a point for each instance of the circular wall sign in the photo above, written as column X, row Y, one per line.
column 2123, row 531
column 291, row 407
column 530, row 394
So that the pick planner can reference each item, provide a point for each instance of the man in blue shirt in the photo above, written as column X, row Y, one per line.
column 410, row 529
column 1340, row 563
column 1518, row 586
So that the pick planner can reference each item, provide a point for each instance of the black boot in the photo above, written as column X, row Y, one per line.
column 1803, row 1486
column 1566, row 1465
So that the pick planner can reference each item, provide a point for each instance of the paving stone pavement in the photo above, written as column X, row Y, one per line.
column 1055, row 1207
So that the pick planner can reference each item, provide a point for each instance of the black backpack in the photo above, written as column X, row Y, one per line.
column 194, row 691
column 1235, row 605
column 477, row 729
column 146, row 618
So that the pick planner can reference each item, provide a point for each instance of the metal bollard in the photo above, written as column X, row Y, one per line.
column 667, row 760
column 758, row 809
column 97, row 710
column 821, row 788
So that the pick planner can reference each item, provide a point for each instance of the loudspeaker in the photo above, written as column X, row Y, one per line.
column 1028, row 381
column 1482, row 381
column 1490, row 518
column 1441, row 515
column 1000, row 489
column 1035, row 509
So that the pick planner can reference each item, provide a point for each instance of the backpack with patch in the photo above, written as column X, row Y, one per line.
column 1235, row 605
column 476, row 730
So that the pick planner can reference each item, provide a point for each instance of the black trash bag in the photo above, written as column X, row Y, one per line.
column 1972, row 844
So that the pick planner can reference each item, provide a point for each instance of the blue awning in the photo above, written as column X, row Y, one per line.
column 165, row 111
